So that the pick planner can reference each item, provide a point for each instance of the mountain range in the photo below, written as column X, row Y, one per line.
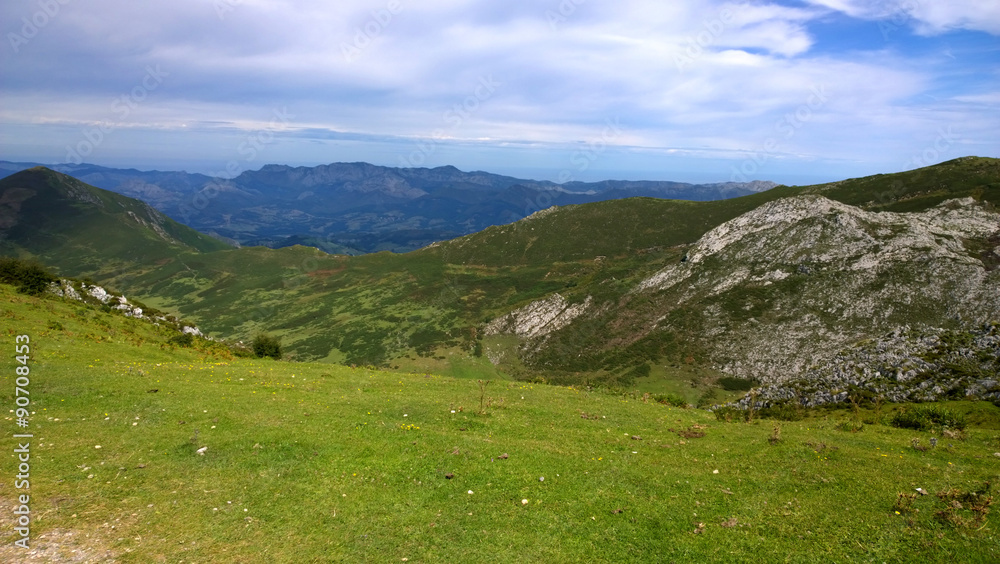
column 663, row 295
column 355, row 208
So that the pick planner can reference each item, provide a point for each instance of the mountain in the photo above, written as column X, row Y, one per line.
column 782, row 288
column 660, row 294
column 354, row 208
column 81, row 228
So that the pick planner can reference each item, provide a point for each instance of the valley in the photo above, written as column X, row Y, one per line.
column 147, row 449
column 787, row 262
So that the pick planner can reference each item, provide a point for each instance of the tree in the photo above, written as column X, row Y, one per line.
column 264, row 345
column 29, row 276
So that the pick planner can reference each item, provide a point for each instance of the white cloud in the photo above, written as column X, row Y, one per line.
column 928, row 17
column 701, row 76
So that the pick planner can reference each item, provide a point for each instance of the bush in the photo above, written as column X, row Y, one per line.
column 731, row 384
column 183, row 340
column 927, row 417
column 782, row 412
column 264, row 345
column 670, row 399
column 29, row 277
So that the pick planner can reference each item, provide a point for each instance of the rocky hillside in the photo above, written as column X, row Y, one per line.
column 782, row 289
column 905, row 365
column 665, row 294
column 839, row 274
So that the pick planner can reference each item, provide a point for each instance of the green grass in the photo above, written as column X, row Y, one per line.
column 312, row 462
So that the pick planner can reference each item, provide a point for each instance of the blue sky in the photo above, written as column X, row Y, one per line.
column 700, row 90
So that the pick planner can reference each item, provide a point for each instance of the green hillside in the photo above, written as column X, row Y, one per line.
column 80, row 229
column 312, row 462
column 427, row 310
column 625, row 227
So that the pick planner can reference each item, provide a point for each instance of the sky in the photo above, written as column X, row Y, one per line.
column 700, row 90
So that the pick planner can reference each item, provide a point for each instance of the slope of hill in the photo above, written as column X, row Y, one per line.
column 431, row 309
column 80, row 228
column 782, row 288
column 144, row 451
column 353, row 208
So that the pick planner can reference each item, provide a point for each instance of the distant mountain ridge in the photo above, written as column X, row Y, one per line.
column 354, row 208
column 669, row 294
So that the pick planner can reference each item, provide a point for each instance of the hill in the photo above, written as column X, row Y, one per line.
column 354, row 208
column 590, row 275
column 146, row 451
column 81, row 228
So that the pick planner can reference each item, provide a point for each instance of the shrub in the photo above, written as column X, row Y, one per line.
column 731, row 384
column 927, row 417
column 29, row 277
column 264, row 345
column 670, row 399
column 782, row 412
column 182, row 340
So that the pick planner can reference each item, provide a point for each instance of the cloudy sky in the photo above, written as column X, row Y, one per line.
column 696, row 90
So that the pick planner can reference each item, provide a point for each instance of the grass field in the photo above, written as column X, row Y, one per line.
column 325, row 463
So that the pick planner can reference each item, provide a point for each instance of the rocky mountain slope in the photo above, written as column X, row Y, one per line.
column 782, row 289
column 353, row 208
column 668, row 295
column 905, row 365
column 815, row 275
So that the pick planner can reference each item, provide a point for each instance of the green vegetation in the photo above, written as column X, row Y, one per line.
column 426, row 309
column 266, row 346
column 28, row 276
column 927, row 417
column 148, row 451
column 732, row 384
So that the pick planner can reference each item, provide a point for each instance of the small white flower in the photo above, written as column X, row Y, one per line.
column 542, row 479
column 97, row 446
column 470, row 492
column 524, row 502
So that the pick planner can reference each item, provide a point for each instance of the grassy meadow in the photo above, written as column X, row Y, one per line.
column 323, row 463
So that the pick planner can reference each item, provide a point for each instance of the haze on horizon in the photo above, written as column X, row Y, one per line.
column 700, row 91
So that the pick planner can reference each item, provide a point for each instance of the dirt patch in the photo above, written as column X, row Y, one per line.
column 58, row 546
